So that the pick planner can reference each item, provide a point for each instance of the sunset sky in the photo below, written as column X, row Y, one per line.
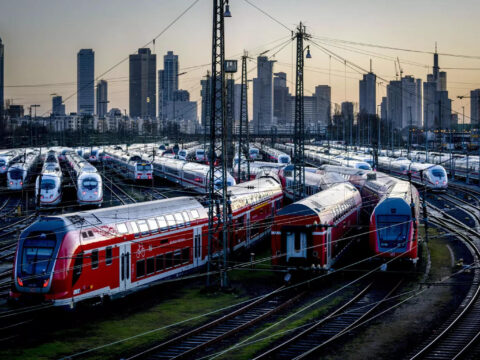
column 42, row 39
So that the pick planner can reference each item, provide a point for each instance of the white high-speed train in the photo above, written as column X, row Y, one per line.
column 21, row 171
column 87, row 180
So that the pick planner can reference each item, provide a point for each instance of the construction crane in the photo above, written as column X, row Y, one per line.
column 400, row 68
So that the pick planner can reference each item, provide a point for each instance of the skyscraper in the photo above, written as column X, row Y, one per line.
column 280, row 98
column 263, row 94
column 206, row 95
column 102, row 98
column 142, row 92
column 411, row 101
column 437, row 107
column 170, row 75
column 2, row 100
column 85, row 82
column 475, row 107
column 323, row 99
column 58, row 108
column 368, row 94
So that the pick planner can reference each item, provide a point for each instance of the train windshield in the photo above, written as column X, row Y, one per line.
column 438, row 173
column 392, row 229
column 144, row 167
column 283, row 160
column 2, row 162
column 48, row 184
column 254, row 152
column 364, row 167
column 16, row 174
column 37, row 255
column 51, row 158
column 90, row 183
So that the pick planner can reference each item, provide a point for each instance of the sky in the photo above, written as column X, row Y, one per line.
column 42, row 39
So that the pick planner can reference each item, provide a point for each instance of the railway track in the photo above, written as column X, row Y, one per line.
column 8, row 207
column 324, row 331
column 454, row 338
column 188, row 344
column 471, row 210
column 119, row 193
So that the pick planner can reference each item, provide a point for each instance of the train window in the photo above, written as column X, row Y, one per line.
column 150, row 265
column 179, row 219
column 142, row 224
column 177, row 258
column 134, row 227
column 108, row 255
column 122, row 228
column 140, row 268
column 159, row 262
column 77, row 268
column 152, row 224
column 84, row 235
column 186, row 217
column 90, row 233
column 297, row 243
column 162, row 223
column 94, row 258
column 170, row 221
column 195, row 214
column 168, row 260
column 185, row 255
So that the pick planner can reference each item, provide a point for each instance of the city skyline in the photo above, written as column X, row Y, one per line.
column 111, row 42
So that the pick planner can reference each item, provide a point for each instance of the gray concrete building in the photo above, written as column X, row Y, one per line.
column 323, row 105
column 102, row 98
column 142, row 87
column 85, row 82
column 58, row 107
column 368, row 94
column 263, row 95
column 475, row 107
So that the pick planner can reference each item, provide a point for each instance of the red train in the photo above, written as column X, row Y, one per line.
column 308, row 232
column 394, row 206
column 107, row 253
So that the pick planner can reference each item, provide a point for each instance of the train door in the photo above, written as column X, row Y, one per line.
column 296, row 244
column 125, row 267
column 247, row 227
column 197, row 246
column 329, row 247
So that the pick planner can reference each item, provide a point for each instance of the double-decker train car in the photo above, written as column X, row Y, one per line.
column 190, row 175
column 315, row 181
column 7, row 158
column 256, row 167
column 308, row 233
column 394, row 206
column 108, row 253
column 87, row 180
column 20, row 173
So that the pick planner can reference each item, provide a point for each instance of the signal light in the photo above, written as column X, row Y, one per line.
column 19, row 281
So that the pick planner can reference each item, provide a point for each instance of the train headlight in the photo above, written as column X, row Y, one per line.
column 45, row 282
column 20, row 281
column 11, row 182
column 96, row 193
column 83, row 192
column 436, row 183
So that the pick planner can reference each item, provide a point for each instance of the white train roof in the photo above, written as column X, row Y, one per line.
column 253, row 192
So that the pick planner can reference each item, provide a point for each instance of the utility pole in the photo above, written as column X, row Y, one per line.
column 410, row 132
column 243, row 118
column 217, row 186
column 299, row 130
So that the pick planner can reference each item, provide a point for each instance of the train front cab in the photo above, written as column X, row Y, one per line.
column 393, row 230
column 37, row 262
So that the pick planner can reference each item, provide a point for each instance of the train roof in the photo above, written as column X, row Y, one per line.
column 253, row 192
column 324, row 203
column 387, row 185
column 135, row 211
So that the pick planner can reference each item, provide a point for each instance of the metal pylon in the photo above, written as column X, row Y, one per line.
column 217, row 185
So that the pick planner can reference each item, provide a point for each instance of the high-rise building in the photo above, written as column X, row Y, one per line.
column 58, row 107
column 411, row 101
column 170, row 75
column 280, row 97
column 85, row 82
column 2, row 55
column 323, row 105
column 206, row 95
column 263, row 95
column 181, row 95
column 368, row 94
column 475, row 107
column 102, row 98
column 142, row 92
column 437, row 107
column 237, row 93
column 383, row 108
column 394, row 104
